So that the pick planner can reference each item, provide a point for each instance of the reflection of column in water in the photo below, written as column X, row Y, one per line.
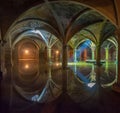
column 49, row 55
column 64, row 81
column 106, row 54
column 116, row 75
column 75, row 68
column 107, row 59
column 49, row 72
column 50, row 89
column 116, row 63
column 98, row 73
column 93, row 74
column 64, row 67
column 93, row 51
column 12, row 81
column 116, row 54
column 106, row 67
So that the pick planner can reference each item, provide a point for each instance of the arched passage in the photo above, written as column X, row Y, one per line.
column 50, row 24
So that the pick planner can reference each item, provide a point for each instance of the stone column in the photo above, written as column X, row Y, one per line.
column 93, row 53
column 106, row 59
column 116, row 55
column 0, row 56
column 1, row 63
column 98, row 55
column 98, row 68
column 2, row 59
column 64, row 56
column 107, row 54
column 116, row 86
column 64, row 68
column 49, row 55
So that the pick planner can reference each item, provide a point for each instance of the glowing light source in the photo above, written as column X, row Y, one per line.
column 26, row 51
column 57, row 52
column 26, row 66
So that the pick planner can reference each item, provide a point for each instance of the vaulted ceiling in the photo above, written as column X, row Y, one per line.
column 63, row 20
column 11, row 9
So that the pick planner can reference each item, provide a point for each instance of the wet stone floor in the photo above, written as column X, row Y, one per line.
column 48, row 89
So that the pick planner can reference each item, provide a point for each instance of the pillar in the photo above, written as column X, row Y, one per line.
column 49, row 61
column 1, row 63
column 106, row 54
column 98, row 68
column 116, row 86
column 93, row 74
column 116, row 55
column 98, row 55
column 106, row 59
column 0, row 55
column 2, row 59
column 49, row 54
column 49, row 72
column 93, row 53
column 64, row 56
column 118, row 80
column 64, row 68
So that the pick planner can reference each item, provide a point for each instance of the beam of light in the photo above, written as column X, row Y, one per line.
column 85, row 45
column 38, row 32
column 57, row 52
column 42, row 94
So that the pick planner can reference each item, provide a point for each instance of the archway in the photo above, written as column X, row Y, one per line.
column 74, row 19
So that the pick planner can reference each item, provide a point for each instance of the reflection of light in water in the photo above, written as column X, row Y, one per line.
column 50, row 89
column 26, row 66
column 34, row 98
column 93, row 77
column 90, row 85
column 57, row 64
column 26, row 51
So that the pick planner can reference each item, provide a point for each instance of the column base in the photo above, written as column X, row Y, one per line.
column 116, row 87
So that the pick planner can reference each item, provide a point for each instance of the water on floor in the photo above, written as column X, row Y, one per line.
column 41, row 88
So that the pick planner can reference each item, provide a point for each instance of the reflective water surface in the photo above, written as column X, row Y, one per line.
column 33, row 84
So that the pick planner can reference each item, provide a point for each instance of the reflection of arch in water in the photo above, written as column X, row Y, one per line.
column 112, row 82
column 50, row 90
column 79, row 76
column 48, row 93
column 91, row 77
column 28, row 76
